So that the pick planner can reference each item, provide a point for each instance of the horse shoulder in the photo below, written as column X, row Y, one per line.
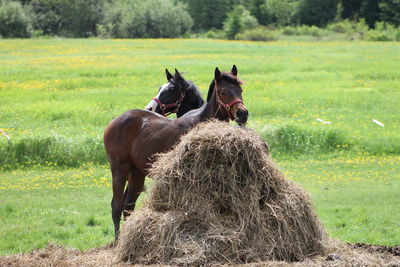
column 157, row 136
column 122, row 132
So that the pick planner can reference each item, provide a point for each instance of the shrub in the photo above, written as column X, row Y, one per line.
column 383, row 32
column 257, row 34
column 14, row 20
column 302, row 30
column 56, row 150
column 344, row 26
column 391, row 30
column 349, row 28
column 290, row 30
column 214, row 34
column 294, row 139
column 361, row 26
column 374, row 35
column 310, row 30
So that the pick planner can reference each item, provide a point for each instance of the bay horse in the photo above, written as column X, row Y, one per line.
column 134, row 137
column 176, row 96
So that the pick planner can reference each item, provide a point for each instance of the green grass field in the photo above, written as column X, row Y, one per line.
column 58, row 95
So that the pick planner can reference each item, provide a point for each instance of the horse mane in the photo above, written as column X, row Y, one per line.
column 229, row 77
column 193, row 89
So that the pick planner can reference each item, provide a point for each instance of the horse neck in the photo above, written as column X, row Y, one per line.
column 212, row 110
column 207, row 111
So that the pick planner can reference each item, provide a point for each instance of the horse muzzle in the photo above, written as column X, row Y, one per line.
column 241, row 116
column 151, row 106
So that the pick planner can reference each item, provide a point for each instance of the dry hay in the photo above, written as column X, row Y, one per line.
column 218, row 198
column 57, row 255
column 338, row 254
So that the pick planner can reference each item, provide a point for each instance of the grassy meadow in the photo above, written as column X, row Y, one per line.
column 58, row 95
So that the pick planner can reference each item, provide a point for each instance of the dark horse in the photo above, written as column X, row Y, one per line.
column 133, row 138
column 177, row 96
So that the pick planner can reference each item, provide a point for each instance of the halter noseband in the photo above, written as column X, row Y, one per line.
column 227, row 106
column 164, row 107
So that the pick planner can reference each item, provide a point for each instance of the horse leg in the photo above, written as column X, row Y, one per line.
column 135, row 187
column 127, row 210
column 127, row 198
column 119, row 178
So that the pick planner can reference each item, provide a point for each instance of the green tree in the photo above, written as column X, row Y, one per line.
column 351, row 8
column 167, row 20
column 258, row 9
column 370, row 11
column 232, row 23
column 80, row 17
column 208, row 14
column 390, row 11
column 47, row 17
column 238, row 19
column 73, row 18
column 281, row 10
column 139, row 19
column 317, row 12
column 112, row 23
column 14, row 20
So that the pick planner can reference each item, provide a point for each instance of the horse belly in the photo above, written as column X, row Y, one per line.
column 150, row 143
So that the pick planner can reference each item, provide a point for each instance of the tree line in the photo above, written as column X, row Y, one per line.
column 175, row 18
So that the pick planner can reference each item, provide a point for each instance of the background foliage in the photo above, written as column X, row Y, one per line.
column 175, row 18
column 14, row 20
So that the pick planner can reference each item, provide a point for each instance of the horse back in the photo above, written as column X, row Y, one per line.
column 137, row 135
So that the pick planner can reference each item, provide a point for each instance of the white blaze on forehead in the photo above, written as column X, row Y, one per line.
column 163, row 88
column 152, row 105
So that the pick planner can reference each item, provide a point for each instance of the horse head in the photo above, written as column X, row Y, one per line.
column 170, row 95
column 227, row 90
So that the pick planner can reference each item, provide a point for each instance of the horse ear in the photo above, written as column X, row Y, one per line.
column 168, row 75
column 234, row 70
column 218, row 75
column 178, row 75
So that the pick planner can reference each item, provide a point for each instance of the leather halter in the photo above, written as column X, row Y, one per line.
column 226, row 106
column 164, row 107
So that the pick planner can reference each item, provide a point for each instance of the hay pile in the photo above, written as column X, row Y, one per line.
column 54, row 255
column 218, row 198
